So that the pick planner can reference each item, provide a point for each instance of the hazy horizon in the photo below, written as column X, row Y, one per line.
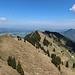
column 23, row 32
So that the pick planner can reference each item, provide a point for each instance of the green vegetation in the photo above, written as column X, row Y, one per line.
column 38, row 45
column 55, row 39
column 33, row 38
column 59, row 68
column 24, row 40
column 12, row 62
column 42, row 48
column 58, row 36
column 19, row 69
column 70, row 45
column 62, row 62
column 45, row 42
column 53, row 49
column 48, row 53
column 19, row 38
column 73, row 65
column 67, row 65
column 53, row 56
column 56, row 60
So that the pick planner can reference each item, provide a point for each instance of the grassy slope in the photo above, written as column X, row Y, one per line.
column 65, row 55
column 6, row 70
column 33, row 60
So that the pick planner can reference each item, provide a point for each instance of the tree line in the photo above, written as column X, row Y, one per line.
column 12, row 62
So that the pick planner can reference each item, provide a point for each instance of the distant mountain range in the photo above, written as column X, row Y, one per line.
column 70, row 34
column 23, row 32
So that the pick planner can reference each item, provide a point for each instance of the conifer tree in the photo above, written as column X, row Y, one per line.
column 67, row 65
column 19, row 69
column 56, row 60
column 14, row 63
column 73, row 65
column 59, row 68
column 9, row 61
column 53, row 56
column 53, row 49
column 48, row 53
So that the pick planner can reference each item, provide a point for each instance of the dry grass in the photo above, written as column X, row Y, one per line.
column 33, row 61
column 65, row 55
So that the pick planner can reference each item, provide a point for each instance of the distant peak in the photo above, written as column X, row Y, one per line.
column 70, row 30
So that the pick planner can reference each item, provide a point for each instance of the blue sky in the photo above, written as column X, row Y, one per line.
column 37, row 14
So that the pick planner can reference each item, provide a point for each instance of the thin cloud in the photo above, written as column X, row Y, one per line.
column 2, row 19
column 73, row 8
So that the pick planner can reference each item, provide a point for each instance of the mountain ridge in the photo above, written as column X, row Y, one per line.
column 69, row 34
column 31, row 59
column 36, row 59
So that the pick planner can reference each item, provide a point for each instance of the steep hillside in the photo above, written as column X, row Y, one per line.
column 55, row 43
column 33, row 61
column 70, row 45
column 38, row 53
